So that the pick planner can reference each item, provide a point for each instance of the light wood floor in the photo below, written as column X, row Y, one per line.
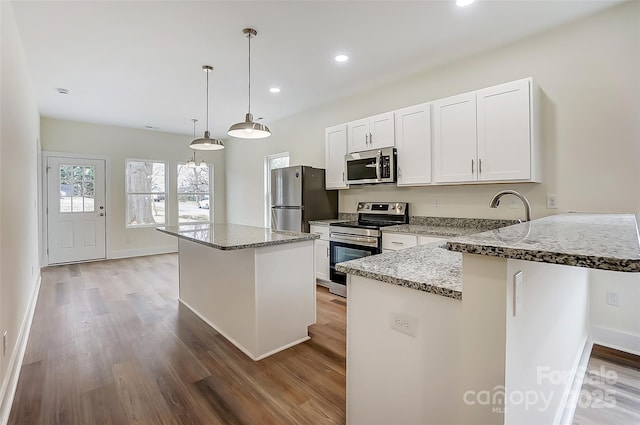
column 110, row 344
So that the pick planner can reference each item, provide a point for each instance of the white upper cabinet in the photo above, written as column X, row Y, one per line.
column 454, row 139
column 375, row 132
column 487, row 135
column 413, row 142
column 504, row 132
column 335, row 149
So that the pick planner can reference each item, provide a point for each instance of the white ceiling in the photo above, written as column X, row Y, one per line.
column 138, row 63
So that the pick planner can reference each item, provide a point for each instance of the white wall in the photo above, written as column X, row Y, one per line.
column 118, row 144
column 19, row 256
column 616, row 326
column 588, row 72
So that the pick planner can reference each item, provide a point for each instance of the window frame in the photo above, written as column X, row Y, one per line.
column 209, row 194
column 127, row 193
column 267, row 183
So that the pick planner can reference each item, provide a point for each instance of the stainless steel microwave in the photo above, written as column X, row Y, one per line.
column 375, row 166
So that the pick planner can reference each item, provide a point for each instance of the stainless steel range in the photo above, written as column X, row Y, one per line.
column 357, row 239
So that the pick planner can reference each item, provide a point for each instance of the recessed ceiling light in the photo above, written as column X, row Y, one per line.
column 341, row 58
column 463, row 3
column 62, row 91
column 274, row 89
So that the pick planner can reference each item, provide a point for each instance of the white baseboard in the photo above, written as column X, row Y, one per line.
column 128, row 253
column 8, row 389
column 629, row 343
column 571, row 399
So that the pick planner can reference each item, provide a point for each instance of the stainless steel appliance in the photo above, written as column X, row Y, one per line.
column 298, row 195
column 376, row 166
column 357, row 239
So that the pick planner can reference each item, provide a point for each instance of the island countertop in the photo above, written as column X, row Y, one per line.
column 597, row 241
column 225, row 236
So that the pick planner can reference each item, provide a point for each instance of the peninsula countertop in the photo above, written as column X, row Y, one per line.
column 226, row 237
column 429, row 268
column 596, row 241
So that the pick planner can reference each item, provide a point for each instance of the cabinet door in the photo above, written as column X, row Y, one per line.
column 504, row 131
column 413, row 141
column 358, row 135
column 454, row 139
column 322, row 259
column 398, row 241
column 335, row 151
column 381, row 134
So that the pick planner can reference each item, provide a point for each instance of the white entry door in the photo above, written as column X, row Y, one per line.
column 75, row 209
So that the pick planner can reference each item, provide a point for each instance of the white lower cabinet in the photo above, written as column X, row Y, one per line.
column 398, row 241
column 322, row 251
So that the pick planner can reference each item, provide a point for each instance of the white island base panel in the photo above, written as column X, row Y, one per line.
column 471, row 361
column 261, row 299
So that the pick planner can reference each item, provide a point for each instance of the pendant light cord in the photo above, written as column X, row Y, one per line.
column 194, row 124
column 249, row 36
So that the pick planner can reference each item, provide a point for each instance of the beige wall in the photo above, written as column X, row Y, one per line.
column 19, row 255
column 588, row 72
column 117, row 144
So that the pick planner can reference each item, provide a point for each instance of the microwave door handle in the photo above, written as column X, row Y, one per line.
column 379, row 165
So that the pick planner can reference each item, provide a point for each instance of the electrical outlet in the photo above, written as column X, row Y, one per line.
column 552, row 202
column 517, row 292
column 613, row 298
column 4, row 343
column 404, row 323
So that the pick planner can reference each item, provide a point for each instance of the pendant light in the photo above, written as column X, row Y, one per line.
column 206, row 143
column 191, row 162
column 248, row 129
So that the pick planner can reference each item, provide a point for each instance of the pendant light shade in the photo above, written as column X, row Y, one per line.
column 249, row 129
column 206, row 143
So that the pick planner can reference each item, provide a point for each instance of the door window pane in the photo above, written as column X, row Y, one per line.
column 195, row 199
column 76, row 188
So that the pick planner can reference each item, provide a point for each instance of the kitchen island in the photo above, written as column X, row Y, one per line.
column 490, row 328
column 253, row 285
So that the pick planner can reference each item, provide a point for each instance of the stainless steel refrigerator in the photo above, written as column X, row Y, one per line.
column 298, row 195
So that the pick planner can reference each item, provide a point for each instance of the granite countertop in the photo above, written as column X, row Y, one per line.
column 234, row 236
column 326, row 221
column 597, row 241
column 430, row 268
column 426, row 230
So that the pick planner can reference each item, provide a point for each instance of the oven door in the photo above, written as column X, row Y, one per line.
column 345, row 248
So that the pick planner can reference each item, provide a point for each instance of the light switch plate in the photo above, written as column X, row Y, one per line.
column 517, row 292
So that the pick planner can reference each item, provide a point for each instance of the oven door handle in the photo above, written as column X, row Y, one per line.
column 379, row 166
column 368, row 240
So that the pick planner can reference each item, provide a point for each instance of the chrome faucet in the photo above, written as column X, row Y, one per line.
column 527, row 206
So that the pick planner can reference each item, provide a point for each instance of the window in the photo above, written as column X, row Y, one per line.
column 271, row 162
column 146, row 193
column 195, row 200
column 76, row 188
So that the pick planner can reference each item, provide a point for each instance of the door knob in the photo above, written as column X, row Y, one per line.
column 101, row 207
column 101, row 214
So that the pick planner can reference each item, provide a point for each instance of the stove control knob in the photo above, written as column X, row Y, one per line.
column 399, row 206
column 360, row 206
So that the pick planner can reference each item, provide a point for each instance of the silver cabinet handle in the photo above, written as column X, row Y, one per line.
column 480, row 165
column 327, row 251
column 366, row 139
column 371, row 138
column 397, row 243
column 472, row 166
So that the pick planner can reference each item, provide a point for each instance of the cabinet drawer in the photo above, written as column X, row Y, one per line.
column 423, row 240
column 323, row 231
column 396, row 241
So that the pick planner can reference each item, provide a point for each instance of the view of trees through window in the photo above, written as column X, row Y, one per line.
column 194, row 195
column 76, row 188
column 146, row 193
